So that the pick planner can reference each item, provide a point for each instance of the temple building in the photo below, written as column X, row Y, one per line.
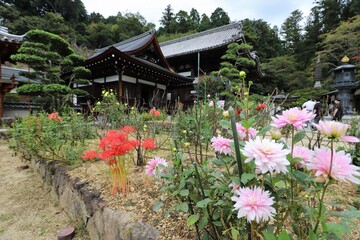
column 199, row 54
column 9, row 44
column 148, row 74
column 136, row 69
column 143, row 72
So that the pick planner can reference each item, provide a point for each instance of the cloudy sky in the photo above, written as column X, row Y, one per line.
column 272, row 11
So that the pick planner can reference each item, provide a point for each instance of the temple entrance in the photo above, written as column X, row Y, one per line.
column 147, row 93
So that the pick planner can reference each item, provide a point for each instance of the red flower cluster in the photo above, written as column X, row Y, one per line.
column 90, row 155
column 155, row 112
column 261, row 106
column 55, row 116
column 116, row 143
column 148, row 143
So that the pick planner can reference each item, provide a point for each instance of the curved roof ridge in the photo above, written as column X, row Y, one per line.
column 6, row 36
column 135, row 38
column 209, row 31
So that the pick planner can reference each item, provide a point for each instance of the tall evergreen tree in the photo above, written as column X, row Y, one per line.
column 183, row 21
column 264, row 39
column 167, row 20
column 330, row 13
column 195, row 18
column 291, row 31
column 205, row 23
column 219, row 18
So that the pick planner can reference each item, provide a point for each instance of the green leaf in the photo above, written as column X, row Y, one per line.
column 346, row 214
column 284, row 236
column 264, row 130
column 203, row 222
column 225, row 124
column 301, row 176
column 157, row 205
column 234, row 233
column 299, row 136
column 335, row 229
column 218, row 162
column 269, row 236
column 280, row 184
column 192, row 219
column 246, row 177
column 184, row 192
column 184, row 207
column 205, row 236
column 203, row 203
column 313, row 236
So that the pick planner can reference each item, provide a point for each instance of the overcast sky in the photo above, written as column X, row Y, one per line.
column 272, row 11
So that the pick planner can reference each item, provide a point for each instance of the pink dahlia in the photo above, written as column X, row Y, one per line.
column 254, row 204
column 152, row 168
column 341, row 169
column 242, row 132
column 269, row 156
column 221, row 145
column 335, row 130
column 304, row 153
column 293, row 116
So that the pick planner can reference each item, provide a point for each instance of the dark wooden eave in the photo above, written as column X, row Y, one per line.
column 144, row 46
column 112, row 61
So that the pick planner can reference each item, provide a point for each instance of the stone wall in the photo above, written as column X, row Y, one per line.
column 85, row 204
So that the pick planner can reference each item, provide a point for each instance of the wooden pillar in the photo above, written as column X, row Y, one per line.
column 0, row 69
column 120, row 87
column 1, row 104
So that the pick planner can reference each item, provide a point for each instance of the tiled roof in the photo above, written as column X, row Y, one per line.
column 5, row 36
column 8, row 72
column 206, row 40
column 130, row 44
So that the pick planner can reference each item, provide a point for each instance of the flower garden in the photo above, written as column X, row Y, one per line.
column 216, row 171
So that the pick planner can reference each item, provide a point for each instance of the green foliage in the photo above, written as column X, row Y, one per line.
column 49, row 55
column 61, row 138
column 196, row 125
column 56, row 89
column 343, row 40
column 30, row 89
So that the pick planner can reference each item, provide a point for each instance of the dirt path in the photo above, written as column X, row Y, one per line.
column 27, row 211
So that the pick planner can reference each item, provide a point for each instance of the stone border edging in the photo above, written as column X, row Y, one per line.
column 84, row 204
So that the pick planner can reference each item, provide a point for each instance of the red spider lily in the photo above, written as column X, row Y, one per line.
column 55, row 116
column 261, row 106
column 148, row 143
column 115, row 145
column 128, row 129
column 154, row 112
column 90, row 155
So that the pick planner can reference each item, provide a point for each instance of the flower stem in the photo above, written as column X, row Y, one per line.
column 325, row 186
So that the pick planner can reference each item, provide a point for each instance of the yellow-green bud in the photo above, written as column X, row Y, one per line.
column 184, row 131
column 276, row 135
column 174, row 149
column 246, row 93
column 242, row 74
column 186, row 144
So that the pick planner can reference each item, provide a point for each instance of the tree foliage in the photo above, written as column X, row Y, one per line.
column 343, row 40
column 54, row 64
